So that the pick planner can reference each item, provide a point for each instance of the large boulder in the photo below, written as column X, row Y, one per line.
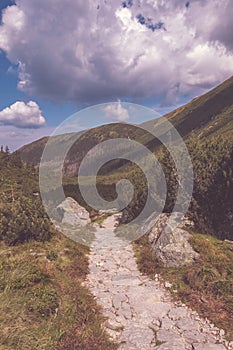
column 70, row 212
column 171, row 246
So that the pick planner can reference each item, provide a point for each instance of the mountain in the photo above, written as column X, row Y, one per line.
column 207, row 115
column 206, row 125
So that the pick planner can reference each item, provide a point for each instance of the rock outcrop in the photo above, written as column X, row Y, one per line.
column 70, row 212
column 171, row 246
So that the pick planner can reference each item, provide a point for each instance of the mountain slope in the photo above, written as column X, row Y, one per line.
column 206, row 125
column 206, row 115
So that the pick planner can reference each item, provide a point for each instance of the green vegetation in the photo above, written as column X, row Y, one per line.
column 211, row 205
column 43, row 302
column 206, row 285
column 206, row 126
column 23, row 220
column 100, row 219
column 22, row 216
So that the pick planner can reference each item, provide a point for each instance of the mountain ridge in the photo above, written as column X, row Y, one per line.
column 211, row 112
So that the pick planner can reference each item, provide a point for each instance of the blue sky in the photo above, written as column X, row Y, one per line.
column 9, row 94
column 56, row 59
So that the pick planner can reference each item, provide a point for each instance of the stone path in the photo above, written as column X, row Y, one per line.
column 140, row 312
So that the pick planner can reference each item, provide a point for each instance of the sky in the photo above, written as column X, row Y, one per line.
column 58, row 57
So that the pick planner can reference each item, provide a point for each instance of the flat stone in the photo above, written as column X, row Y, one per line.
column 165, row 335
column 125, row 280
column 158, row 310
column 194, row 337
column 167, row 323
column 187, row 324
column 139, row 335
column 177, row 313
column 118, row 299
column 209, row 346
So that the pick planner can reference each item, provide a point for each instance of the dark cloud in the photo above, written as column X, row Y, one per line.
column 223, row 31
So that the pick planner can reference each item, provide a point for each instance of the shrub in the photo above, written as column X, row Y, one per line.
column 23, row 220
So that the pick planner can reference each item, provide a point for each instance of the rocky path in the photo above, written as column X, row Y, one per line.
column 140, row 312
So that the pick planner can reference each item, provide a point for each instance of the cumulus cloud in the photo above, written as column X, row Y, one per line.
column 94, row 51
column 116, row 112
column 22, row 115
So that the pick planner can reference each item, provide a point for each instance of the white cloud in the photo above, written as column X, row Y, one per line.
column 22, row 115
column 96, row 51
column 116, row 112
column 201, row 60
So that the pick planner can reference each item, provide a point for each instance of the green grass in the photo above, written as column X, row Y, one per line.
column 206, row 285
column 99, row 220
column 43, row 303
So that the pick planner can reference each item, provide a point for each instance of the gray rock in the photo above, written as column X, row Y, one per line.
column 208, row 346
column 138, row 335
column 172, row 345
column 194, row 337
column 165, row 335
column 161, row 221
column 177, row 313
column 172, row 247
column 71, row 213
column 125, row 280
column 118, row 299
column 187, row 324
column 167, row 323
column 150, row 223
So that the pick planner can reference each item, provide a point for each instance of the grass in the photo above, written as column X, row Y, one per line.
column 100, row 219
column 43, row 302
column 206, row 286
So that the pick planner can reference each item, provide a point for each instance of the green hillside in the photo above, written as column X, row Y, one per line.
column 207, row 115
column 206, row 125
column 211, row 111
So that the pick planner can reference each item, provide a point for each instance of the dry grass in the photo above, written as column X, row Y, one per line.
column 43, row 304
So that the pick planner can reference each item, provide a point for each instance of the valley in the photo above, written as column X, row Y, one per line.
column 44, row 291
